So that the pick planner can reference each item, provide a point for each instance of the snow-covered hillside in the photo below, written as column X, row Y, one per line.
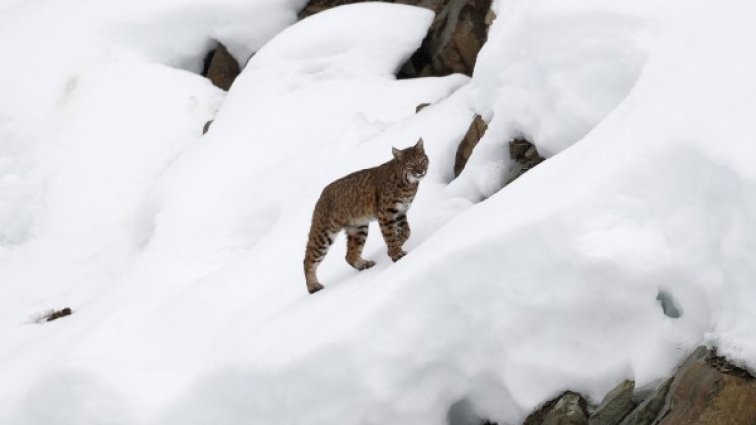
column 181, row 254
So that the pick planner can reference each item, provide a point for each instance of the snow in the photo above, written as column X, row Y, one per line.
column 181, row 254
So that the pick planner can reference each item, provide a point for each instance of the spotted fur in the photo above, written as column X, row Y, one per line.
column 382, row 193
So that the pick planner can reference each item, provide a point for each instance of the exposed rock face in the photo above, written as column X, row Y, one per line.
column 221, row 68
column 709, row 391
column 456, row 36
column 706, row 390
column 454, row 40
column 474, row 133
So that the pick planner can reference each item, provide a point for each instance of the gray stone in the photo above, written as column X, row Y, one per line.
column 567, row 411
column 615, row 406
column 649, row 409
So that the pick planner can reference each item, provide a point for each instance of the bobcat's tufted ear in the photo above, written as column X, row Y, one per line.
column 398, row 155
column 419, row 144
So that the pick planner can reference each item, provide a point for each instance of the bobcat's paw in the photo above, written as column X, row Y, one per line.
column 313, row 288
column 366, row 265
column 397, row 256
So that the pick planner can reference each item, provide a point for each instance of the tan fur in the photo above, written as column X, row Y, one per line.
column 382, row 193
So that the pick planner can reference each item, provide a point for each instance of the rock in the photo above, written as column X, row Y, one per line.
column 51, row 314
column 707, row 390
column 617, row 404
column 421, row 106
column 567, row 409
column 206, row 127
column 525, row 156
column 456, row 36
column 474, row 133
column 315, row 6
column 454, row 39
column 648, row 410
column 221, row 68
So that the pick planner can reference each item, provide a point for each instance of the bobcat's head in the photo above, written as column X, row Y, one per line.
column 413, row 161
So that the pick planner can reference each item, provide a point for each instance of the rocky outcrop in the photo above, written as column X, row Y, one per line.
column 705, row 390
column 474, row 133
column 709, row 391
column 221, row 68
column 454, row 39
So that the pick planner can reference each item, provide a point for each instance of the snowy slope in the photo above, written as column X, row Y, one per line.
column 181, row 255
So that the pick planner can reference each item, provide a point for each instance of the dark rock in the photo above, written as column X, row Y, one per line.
column 55, row 314
column 525, row 156
column 221, row 68
column 474, row 133
column 567, row 409
column 649, row 409
column 617, row 404
column 456, row 36
column 707, row 390
column 316, row 6
column 421, row 106
column 206, row 127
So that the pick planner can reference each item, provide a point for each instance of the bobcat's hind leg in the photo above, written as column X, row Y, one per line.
column 317, row 247
column 356, row 237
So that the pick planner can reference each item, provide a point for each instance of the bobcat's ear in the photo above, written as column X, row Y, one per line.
column 419, row 144
column 397, row 153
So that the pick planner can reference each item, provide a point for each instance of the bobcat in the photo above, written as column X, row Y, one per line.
column 384, row 193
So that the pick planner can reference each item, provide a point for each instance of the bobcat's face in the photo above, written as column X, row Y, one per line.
column 413, row 160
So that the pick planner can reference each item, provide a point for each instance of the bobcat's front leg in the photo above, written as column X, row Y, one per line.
column 389, row 230
column 404, row 228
